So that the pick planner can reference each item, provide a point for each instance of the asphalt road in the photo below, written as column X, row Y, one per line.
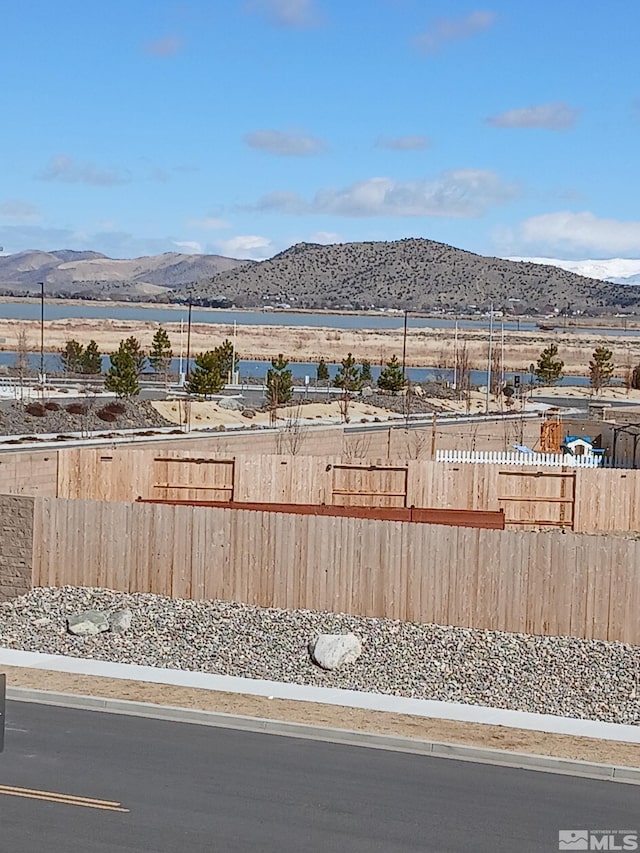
column 192, row 788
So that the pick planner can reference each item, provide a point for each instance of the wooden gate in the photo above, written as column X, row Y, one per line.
column 193, row 479
column 369, row 485
column 538, row 498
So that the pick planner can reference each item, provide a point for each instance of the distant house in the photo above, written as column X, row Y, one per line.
column 580, row 445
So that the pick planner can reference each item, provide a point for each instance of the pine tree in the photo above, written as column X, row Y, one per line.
column 322, row 371
column 348, row 376
column 72, row 357
column 548, row 369
column 161, row 354
column 600, row 368
column 635, row 378
column 122, row 376
column 92, row 359
column 279, row 384
column 138, row 358
column 224, row 354
column 205, row 379
column 392, row 378
column 365, row 373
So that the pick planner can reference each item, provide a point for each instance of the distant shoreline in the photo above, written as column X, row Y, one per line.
column 602, row 321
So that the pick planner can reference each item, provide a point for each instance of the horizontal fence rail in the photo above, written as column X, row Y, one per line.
column 533, row 496
column 450, row 517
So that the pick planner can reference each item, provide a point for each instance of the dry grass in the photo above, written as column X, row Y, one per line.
column 425, row 347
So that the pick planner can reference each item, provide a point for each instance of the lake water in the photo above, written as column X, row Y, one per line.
column 299, row 369
column 64, row 310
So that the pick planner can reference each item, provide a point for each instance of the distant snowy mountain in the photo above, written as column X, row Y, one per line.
column 616, row 270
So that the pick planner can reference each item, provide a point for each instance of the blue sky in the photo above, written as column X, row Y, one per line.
column 141, row 126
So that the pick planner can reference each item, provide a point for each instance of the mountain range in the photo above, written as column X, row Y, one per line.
column 91, row 274
column 416, row 274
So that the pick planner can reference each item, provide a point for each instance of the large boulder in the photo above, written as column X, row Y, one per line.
column 120, row 620
column 232, row 403
column 87, row 623
column 331, row 651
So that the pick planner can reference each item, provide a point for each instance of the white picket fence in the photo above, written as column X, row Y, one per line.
column 494, row 457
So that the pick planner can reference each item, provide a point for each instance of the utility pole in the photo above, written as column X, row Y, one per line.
column 233, row 361
column 489, row 356
column 455, row 358
column 188, row 341
column 404, row 344
column 42, row 376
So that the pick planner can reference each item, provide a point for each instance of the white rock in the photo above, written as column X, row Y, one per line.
column 232, row 403
column 331, row 651
column 120, row 620
column 87, row 623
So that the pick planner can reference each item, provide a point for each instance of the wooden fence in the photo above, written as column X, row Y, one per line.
column 583, row 500
column 540, row 583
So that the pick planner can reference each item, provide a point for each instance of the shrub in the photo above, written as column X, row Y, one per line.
column 105, row 415
column 36, row 409
column 115, row 408
column 76, row 409
column 52, row 406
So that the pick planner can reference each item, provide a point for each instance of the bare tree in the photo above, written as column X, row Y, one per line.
column 417, row 441
column 21, row 362
column 291, row 434
column 496, row 371
column 357, row 446
column 463, row 371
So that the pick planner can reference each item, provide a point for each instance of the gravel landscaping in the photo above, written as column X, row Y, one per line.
column 587, row 679
column 73, row 415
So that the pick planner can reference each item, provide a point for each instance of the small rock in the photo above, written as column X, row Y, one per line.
column 87, row 623
column 331, row 651
column 248, row 413
column 366, row 391
column 120, row 620
column 40, row 623
column 232, row 403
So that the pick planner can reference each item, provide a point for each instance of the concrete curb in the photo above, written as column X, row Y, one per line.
column 325, row 695
column 434, row 749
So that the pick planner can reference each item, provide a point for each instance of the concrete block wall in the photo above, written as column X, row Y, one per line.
column 16, row 545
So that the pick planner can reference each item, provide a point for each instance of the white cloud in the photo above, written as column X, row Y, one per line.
column 451, row 29
column 576, row 234
column 558, row 116
column 325, row 237
column 115, row 244
column 403, row 143
column 295, row 14
column 191, row 247
column 246, row 246
column 455, row 193
column 208, row 223
column 14, row 210
column 284, row 144
column 70, row 171
column 163, row 47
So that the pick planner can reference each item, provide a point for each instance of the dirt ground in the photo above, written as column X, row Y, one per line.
column 378, row 722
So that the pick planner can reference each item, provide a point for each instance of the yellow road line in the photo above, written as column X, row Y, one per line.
column 63, row 799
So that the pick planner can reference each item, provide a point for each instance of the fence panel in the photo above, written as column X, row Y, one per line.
column 542, row 583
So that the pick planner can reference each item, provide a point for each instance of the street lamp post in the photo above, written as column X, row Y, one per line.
column 404, row 344
column 42, row 374
column 187, row 368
